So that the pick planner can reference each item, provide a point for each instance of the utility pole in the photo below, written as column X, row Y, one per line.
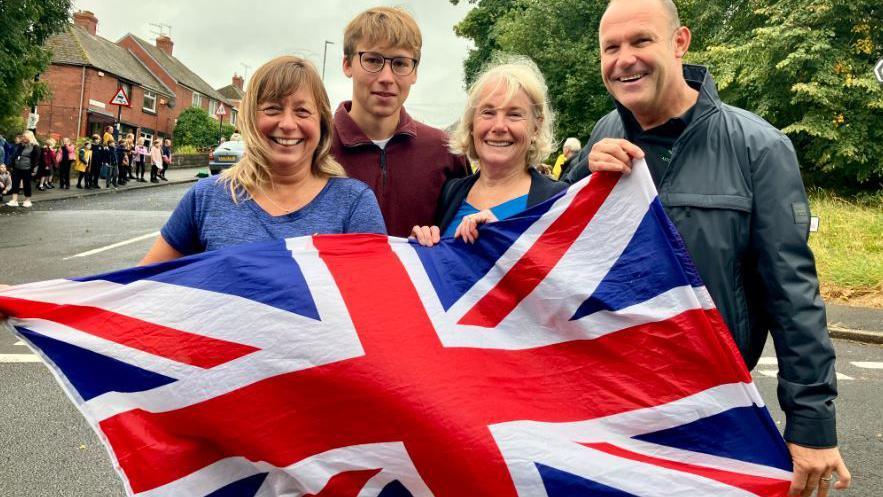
column 324, row 57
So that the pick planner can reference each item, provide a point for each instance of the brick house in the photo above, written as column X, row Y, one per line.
column 234, row 93
column 189, row 88
column 86, row 71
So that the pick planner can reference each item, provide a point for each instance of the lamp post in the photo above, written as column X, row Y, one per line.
column 324, row 57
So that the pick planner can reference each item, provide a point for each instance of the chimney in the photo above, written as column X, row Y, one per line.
column 87, row 21
column 165, row 44
column 238, row 81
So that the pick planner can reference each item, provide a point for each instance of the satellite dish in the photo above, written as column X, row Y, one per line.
column 171, row 102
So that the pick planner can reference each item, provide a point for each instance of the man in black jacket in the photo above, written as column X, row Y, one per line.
column 731, row 184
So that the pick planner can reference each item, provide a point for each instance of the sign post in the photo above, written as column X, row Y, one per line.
column 878, row 71
column 119, row 99
column 221, row 111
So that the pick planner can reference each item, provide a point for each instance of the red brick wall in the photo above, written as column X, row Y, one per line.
column 58, row 115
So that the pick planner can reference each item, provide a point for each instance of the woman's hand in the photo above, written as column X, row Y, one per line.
column 426, row 235
column 468, row 229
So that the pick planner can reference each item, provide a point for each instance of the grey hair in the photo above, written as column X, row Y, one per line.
column 515, row 73
column 572, row 144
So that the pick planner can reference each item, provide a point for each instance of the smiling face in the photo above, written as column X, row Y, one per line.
column 291, row 129
column 641, row 56
column 502, row 128
column 379, row 94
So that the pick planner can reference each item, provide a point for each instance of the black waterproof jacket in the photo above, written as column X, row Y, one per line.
column 733, row 189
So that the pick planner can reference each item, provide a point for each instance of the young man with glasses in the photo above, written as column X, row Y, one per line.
column 404, row 161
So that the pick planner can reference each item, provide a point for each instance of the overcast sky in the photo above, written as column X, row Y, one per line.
column 215, row 37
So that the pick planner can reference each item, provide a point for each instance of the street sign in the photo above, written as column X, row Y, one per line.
column 221, row 111
column 120, row 98
column 878, row 71
column 33, row 118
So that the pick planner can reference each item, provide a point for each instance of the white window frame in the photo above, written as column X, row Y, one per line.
column 233, row 114
column 197, row 100
column 212, row 108
column 142, row 136
column 151, row 96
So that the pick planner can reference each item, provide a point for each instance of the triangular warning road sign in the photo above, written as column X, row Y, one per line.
column 120, row 98
column 221, row 110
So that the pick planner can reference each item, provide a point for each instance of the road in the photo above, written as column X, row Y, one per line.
column 47, row 449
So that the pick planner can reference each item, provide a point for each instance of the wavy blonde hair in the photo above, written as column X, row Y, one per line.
column 272, row 82
column 515, row 73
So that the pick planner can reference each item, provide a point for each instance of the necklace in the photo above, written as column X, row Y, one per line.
column 269, row 199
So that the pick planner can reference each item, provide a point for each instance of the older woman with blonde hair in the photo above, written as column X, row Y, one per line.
column 507, row 127
column 287, row 183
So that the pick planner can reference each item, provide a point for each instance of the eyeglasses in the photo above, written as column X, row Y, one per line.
column 374, row 62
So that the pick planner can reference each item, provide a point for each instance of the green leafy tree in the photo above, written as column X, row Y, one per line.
column 804, row 65
column 195, row 128
column 27, row 24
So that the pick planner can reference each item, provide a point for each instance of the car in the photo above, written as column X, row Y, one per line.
column 225, row 155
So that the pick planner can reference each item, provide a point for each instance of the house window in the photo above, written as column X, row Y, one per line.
column 233, row 114
column 197, row 100
column 145, row 134
column 212, row 108
column 149, row 101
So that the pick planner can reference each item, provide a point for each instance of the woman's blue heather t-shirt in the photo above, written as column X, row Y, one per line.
column 208, row 219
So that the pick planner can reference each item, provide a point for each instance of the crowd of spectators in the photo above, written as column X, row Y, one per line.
column 99, row 161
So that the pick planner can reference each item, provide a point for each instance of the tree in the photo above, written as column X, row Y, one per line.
column 27, row 24
column 196, row 128
column 804, row 65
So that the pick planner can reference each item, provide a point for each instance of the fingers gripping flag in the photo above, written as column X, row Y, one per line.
column 572, row 350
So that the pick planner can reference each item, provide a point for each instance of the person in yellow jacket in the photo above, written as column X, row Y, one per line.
column 83, row 164
column 569, row 152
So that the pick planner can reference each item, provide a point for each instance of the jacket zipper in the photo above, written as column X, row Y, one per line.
column 383, row 171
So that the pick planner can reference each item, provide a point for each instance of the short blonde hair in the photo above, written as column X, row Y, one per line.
column 272, row 82
column 391, row 26
column 515, row 73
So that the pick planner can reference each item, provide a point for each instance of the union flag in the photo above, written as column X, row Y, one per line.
column 573, row 350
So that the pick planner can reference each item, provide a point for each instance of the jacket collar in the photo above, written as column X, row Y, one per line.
column 351, row 135
column 700, row 79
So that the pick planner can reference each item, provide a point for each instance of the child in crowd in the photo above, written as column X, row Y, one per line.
column 46, row 165
column 5, row 181
column 142, row 152
column 111, row 160
column 83, row 165
column 156, row 161
column 64, row 158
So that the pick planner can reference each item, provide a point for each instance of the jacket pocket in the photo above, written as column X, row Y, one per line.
column 716, row 231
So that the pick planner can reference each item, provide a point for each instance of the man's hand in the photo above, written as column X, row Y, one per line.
column 613, row 154
column 815, row 468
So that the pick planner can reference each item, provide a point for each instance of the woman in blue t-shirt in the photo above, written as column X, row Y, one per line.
column 287, row 184
column 507, row 128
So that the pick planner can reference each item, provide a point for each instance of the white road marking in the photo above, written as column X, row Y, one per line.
column 19, row 358
column 868, row 365
column 19, row 343
column 113, row 246
column 768, row 361
column 773, row 373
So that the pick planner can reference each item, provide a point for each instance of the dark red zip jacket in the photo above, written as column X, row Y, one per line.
column 407, row 175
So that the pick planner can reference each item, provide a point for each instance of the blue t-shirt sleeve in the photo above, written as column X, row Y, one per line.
column 365, row 216
column 181, row 230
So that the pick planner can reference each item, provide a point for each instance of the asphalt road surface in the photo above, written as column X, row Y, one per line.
column 47, row 449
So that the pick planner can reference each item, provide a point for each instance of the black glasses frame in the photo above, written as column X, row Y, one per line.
column 390, row 60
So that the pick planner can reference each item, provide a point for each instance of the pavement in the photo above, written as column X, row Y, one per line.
column 860, row 324
column 174, row 176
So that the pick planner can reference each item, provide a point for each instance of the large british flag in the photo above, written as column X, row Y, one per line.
column 571, row 351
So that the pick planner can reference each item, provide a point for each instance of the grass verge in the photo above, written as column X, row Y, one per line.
column 849, row 247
